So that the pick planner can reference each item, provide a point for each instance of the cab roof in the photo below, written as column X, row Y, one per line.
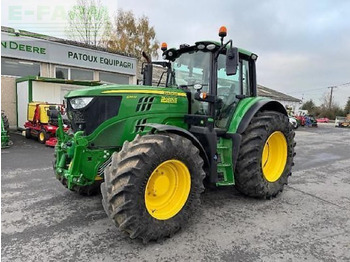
column 203, row 46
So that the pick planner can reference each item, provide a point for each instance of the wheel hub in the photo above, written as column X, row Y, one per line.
column 274, row 156
column 167, row 189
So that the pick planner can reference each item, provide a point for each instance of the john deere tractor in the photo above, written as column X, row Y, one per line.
column 152, row 149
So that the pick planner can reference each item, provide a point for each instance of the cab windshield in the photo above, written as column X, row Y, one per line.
column 190, row 69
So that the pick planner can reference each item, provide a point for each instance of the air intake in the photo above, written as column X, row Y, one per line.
column 144, row 103
column 139, row 122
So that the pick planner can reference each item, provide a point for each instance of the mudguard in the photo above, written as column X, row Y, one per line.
column 260, row 106
column 181, row 132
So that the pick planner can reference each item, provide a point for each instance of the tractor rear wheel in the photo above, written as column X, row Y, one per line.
column 266, row 155
column 153, row 185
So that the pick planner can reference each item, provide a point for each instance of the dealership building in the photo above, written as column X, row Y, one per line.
column 28, row 54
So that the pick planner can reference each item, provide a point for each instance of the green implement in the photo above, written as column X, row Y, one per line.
column 5, row 138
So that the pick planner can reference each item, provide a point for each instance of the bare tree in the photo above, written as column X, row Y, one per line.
column 330, row 108
column 88, row 21
column 132, row 35
column 347, row 107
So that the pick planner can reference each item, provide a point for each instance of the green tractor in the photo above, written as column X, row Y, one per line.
column 152, row 149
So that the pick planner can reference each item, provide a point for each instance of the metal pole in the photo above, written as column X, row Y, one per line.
column 330, row 99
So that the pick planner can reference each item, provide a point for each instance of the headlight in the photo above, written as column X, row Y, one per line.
column 80, row 102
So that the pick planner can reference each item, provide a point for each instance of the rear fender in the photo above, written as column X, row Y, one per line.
column 248, row 108
column 257, row 107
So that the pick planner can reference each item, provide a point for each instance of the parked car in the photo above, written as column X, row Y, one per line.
column 322, row 120
column 307, row 120
column 341, row 121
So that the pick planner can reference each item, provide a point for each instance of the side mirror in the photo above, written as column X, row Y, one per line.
column 231, row 60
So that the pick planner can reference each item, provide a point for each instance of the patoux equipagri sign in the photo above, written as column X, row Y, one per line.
column 50, row 52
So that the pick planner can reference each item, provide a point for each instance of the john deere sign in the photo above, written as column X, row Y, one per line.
column 21, row 47
column 56, row 53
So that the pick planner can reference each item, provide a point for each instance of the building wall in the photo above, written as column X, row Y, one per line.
column 8, row 98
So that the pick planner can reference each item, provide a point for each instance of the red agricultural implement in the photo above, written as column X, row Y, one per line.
column 43, row 122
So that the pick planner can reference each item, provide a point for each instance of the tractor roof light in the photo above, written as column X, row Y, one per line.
column 211, row 47
column 253, row 56
column 164, row 47
column 200, row 46
column 223, row 31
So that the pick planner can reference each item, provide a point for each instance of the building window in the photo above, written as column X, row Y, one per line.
column 62, row 73
column 79, row 74
column 13, row 67
column 114, row 78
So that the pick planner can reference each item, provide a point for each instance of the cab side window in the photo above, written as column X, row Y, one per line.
column 245, row 78
column 229, row 87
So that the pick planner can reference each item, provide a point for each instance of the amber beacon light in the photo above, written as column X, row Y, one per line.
column 164, row 46
column 223, row 31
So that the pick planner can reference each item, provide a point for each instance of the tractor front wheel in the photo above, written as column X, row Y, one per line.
column 153, row 185
column 266, row 155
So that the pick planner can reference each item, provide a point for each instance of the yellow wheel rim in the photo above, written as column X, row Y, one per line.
column 274, row 156
column 167, row 189
column 41, row 136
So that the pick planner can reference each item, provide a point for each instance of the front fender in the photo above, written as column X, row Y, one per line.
column 181, row 132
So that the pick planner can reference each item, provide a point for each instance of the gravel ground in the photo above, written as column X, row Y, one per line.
column 310, row 220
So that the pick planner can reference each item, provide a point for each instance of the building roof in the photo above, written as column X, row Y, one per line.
column 60, row 40
column 273, row 94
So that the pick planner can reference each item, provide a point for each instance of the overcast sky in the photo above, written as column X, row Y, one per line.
column 303, row 46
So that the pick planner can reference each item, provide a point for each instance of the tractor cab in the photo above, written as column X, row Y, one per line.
column 215, row 75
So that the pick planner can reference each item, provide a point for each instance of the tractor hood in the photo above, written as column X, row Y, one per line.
column 100, row 111
column 113, row 90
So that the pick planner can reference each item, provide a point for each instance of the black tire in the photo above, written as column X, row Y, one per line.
column 28, row 134
column 249, row 176
column 126, row 178
column 43, row 136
